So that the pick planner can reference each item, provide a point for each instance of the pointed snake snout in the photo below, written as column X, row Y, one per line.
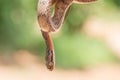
column 50, row 59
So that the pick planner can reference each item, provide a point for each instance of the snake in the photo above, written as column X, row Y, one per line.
column 51, row 22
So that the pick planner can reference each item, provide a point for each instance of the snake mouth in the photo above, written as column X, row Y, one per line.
column 50, row 65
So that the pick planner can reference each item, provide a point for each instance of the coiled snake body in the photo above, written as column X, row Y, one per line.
column 52, row 23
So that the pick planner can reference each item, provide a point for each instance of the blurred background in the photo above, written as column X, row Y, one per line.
column 87, row 47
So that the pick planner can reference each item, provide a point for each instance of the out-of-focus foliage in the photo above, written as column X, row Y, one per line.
column 19, row 30
column 114, row 2
column 17, row 20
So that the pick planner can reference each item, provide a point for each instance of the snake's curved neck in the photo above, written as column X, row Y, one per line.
column 50, row 23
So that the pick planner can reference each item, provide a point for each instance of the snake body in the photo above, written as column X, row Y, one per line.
column 52, row 22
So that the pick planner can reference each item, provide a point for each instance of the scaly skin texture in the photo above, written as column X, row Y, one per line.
column 50, row 62
column 50, row 23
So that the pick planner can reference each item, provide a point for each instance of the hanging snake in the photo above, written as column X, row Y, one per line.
column 52, row 22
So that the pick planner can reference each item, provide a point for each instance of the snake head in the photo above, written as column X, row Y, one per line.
column 50, row 63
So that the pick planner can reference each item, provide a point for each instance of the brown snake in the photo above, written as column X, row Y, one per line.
column 52, row 23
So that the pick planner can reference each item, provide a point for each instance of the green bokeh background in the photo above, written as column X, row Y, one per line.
column 19, row 31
